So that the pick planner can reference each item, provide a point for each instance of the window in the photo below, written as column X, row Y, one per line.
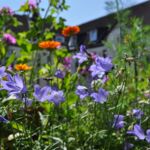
column 60, row 38
column 93, row 35
column 72, row 42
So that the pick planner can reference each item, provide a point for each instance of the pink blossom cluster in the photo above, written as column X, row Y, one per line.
column 9, row 38
column 6, row 11
column 32, row 4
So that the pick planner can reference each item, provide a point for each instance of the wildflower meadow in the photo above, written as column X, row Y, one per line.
column 54, row 98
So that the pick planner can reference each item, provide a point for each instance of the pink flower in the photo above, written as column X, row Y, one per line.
column 9, row 38
column 67, row 62
column 32, row 4
column 93, row 55
column 6, row 11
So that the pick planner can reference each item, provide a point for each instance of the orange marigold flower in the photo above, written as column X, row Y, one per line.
column 49, row 44
column 22, row 67
column 70, row 30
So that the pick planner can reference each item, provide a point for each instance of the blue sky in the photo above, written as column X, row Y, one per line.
column 80, row 11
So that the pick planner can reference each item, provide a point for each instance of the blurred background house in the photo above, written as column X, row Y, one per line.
column 94, row 32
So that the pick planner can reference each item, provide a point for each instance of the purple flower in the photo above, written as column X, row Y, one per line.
column 60, row 74
column 67, row 62
column 118, row 121
column 32, row 4
column 128, row 146
column 101, row 66
column 101, row 96
column 2, row 72
column 105, row 63
column 137, row 131
column 137, row 113
column 6, row 11
column 82, row 48
column 148, row 135
column 56, row 97
column 27, row 101
column 10, row 68
column 41, row 94
column 82, row 57
column 9, row 38
column 14, row 85
column 105, row 79
column 82, row 91
column 96, row 70
column 2, row 119
column 93, row 55
column 47, row 93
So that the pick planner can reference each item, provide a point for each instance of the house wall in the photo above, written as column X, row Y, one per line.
column 112, row 39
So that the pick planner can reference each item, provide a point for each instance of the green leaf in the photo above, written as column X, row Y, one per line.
column 10, row 59
column 43, row 118
column 17, row 126
column 24, row 7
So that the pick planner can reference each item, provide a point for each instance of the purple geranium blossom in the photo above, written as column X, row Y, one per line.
column 105, row 63
column 101, row 96
column 101, row 66
column 10, row 68
column 14, row 85
column 82, row 48
column 41, row 93
column 2, row 119
column 148, row 135
column 9, row 38
column 105, row 79
column 27, row 101
column 56, row 97
column 2, row 72
column 128, row 146
column 137, row 131
column 82, row 91
column 96, row 71
column 81, row 56
column 137, row 113
column 118, row 121
column 59, row 74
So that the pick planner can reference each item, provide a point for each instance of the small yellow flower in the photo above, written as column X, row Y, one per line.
column 127, row 38
column 22, row 67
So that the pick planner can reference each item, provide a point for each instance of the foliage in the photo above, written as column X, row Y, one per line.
column 94, row 105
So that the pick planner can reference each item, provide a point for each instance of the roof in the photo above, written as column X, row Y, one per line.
column 141, row 10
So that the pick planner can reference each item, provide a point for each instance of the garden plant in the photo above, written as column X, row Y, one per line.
column 77, row 100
